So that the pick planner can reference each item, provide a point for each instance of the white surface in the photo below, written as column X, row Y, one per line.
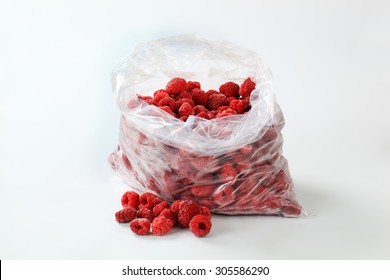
column 58, row 120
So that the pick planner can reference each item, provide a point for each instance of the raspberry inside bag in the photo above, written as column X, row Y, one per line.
column 231, row 163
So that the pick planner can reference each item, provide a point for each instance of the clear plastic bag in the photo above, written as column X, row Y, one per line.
column 233, row 165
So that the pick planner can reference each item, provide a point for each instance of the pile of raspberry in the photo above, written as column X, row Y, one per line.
column 182, row 98
column 148, row 213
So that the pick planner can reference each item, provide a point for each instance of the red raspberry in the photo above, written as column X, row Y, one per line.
column 204, row 115
column 247, row 103
column 176, row 85
column 246, row 149
column 126, row 215
column 185, row 110
column 216, row 101
column 184, row 100
column 184, row 118
column 205, row 211
column 140, row 226
column 167, row 213
column 270, row 134
column 224, row 196
column 168, row 110
column 168, row 101
column 175, row 206
column 203, row 190
column 237, row 105
column 145, row 213
column 159, row 207
column 199, row 109
column 148, row 200
column 247, row 87
column 222, row 108
column 200, row 97
column 200, row 225
column 192, row 85
column 292, row 210
column 229, row 89
column 187, row 210
column 160, row 94
column 211, row 91
column 183, row 94
column 227, row 172
column 147, row 99
column 130, row 199
column 161, row 225
column 230, row 99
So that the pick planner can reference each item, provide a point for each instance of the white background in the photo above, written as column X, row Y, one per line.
column 59, row 122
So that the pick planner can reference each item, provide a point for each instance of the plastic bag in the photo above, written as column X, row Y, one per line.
column 233, row 165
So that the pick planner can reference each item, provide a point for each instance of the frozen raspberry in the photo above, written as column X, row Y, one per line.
column 184, row 118
column 293, row 210
column 203, row 190
column 168, row 110
column 187, row 210
column 167, row 213
column 184, row 100
column 185, row 110
column 205, row 211
column 160, row 94
column 229, row 89
column 145, row 213
column 238, row 106
column 200, row 97
column 148, row 200
column 247, row 87
column 211, row 92
column 230, row 99
column 159, row 207
column 246, row 149
column 175, row 86
column 175, row 206
column 199, row 109
column 168, row 101
column 222, row 108
column 204, row 115
column 200, row 225
column 192, row 85
column 247, row 103
column 183, row 94
column 126, row 215
column 270, row 135
column 161, row 225
column 227, row 172
column 140, row 226
column 224, row 196
column 147, row 99
column 130, row 198
column 216, row 101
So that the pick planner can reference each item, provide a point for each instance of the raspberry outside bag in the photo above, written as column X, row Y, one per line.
column 234, row 164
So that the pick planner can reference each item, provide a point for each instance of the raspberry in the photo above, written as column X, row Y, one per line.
column 247, row 103
column 200, row 225
column 161, row 225
column 246, row 149
column 167, row 213
column 222, row 108
column 140, row 226
column 211, row 92
column 187, row 210
column 247, row 87
column 147, row 99
column 184, row 118
column 145, row 213
column 200, row 97
column 202, row 191
column 175, row 206
column 130, row 199
column 185, row 110
column 160, row 94
column 148, row 200
column 270, row 134
column 227, row 172
column 237, row 105
column 199, row 109
column 204, row 115
column 224, row 196
column 216, row 100
column 126, row 215
column 159, row 207
column 291, row 210
column 168, row 101
column 205, row 211
column 176, row 85
column 168, row 110
column 192, row 85
column 229, row 89
column 183, row 94
column 184, row 100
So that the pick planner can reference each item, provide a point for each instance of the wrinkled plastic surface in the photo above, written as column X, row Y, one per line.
column 233, row 165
